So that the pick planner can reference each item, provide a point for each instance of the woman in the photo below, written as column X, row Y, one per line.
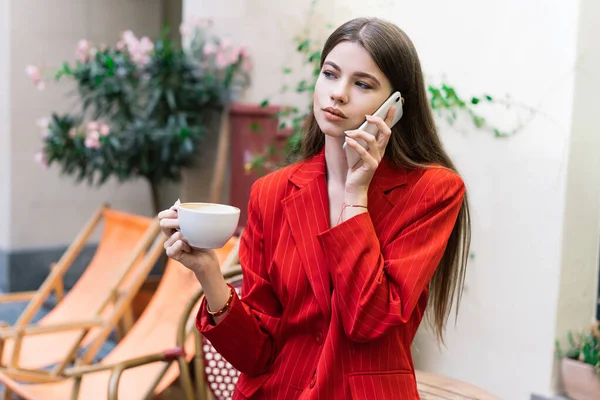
column 339, row 263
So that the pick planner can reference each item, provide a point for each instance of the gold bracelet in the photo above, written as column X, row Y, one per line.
column 224, row 309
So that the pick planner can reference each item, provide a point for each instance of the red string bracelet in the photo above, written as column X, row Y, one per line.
column 349, row 205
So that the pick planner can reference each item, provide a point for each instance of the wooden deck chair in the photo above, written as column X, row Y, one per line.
column 87, row 307
column 143, row 363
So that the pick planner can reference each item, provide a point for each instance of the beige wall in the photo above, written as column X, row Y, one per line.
column 4, row 126
column 48, row 209
column 581, row 236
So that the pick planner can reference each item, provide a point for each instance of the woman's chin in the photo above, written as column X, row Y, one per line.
column 334, row 133
column 333, row 130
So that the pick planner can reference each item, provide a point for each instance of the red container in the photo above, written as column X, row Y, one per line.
column 253, row 129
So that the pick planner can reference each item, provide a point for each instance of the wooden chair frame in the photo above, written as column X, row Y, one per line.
column 192, row 387
column 121, row 301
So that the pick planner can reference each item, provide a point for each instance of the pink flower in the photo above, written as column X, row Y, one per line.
column 35, row 75
column 225, row 43
column 139, row 50
column 247, row 64
column 43, row 123
column 83, row 50
column 72, row 133
column 244, row 53
column 40, row 158
column 120, row 45
column 93, row 126
column 210, row 48
column 222, row 60
column 92, row 141
column 129, row 38
column 146, row 45
column 227, row 56
column 104, row 130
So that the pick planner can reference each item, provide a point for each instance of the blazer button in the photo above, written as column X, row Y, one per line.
column 318, row 338
column 313, row 381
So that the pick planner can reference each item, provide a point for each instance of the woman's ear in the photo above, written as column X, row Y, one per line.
column 402, row 100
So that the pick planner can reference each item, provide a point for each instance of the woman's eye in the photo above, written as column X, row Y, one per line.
column 328, row 75
column 363, row 85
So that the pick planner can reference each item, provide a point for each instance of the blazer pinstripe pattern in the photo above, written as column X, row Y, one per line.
column 330, row 313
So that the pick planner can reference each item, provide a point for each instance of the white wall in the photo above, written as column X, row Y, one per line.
column 506, row 329
column 505, row 334
column 4, row 126
column 47, row 32
column 580, row 261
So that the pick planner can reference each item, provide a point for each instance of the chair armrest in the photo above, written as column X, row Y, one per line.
column 16, row 297
column 118, row 368
column 167, row 356
column 13, row 331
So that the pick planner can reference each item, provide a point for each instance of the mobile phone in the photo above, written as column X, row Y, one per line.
column 352, row 157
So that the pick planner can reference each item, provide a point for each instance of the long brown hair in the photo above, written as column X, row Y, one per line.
column 414, row 144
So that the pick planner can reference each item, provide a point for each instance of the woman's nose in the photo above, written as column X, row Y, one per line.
column 339, row 95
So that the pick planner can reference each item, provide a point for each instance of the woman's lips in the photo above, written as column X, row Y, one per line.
column 333, row 114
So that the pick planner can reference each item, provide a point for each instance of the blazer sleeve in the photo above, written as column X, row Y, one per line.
column 245, row 336
column 379, row 288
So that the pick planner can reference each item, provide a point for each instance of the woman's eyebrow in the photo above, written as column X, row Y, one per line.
column 357, row 74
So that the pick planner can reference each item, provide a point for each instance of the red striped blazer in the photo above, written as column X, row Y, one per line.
column 330, row 313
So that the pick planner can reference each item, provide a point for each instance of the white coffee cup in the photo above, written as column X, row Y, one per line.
column 207, row 225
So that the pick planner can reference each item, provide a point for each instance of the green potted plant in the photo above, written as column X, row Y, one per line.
column 580, row 364
column 141, row 106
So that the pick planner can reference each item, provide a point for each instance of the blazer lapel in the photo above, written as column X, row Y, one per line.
column 386, row 178
column 307, row 211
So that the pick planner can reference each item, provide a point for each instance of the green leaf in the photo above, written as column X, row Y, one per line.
column 478, row 121
column 255, row 127
column 474, row 100
column 302, row 87
column 264, row 103
column 110, row 64
column 315, row 56
column 287, row 70
column 303, row 45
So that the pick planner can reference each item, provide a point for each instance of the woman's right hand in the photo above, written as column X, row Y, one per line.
column 200, row 261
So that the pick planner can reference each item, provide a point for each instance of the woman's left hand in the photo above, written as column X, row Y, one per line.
column 359, row 177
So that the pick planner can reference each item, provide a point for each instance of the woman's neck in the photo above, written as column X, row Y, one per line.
column 335, row 161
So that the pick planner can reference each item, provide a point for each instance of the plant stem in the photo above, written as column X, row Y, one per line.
column 155, row 196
